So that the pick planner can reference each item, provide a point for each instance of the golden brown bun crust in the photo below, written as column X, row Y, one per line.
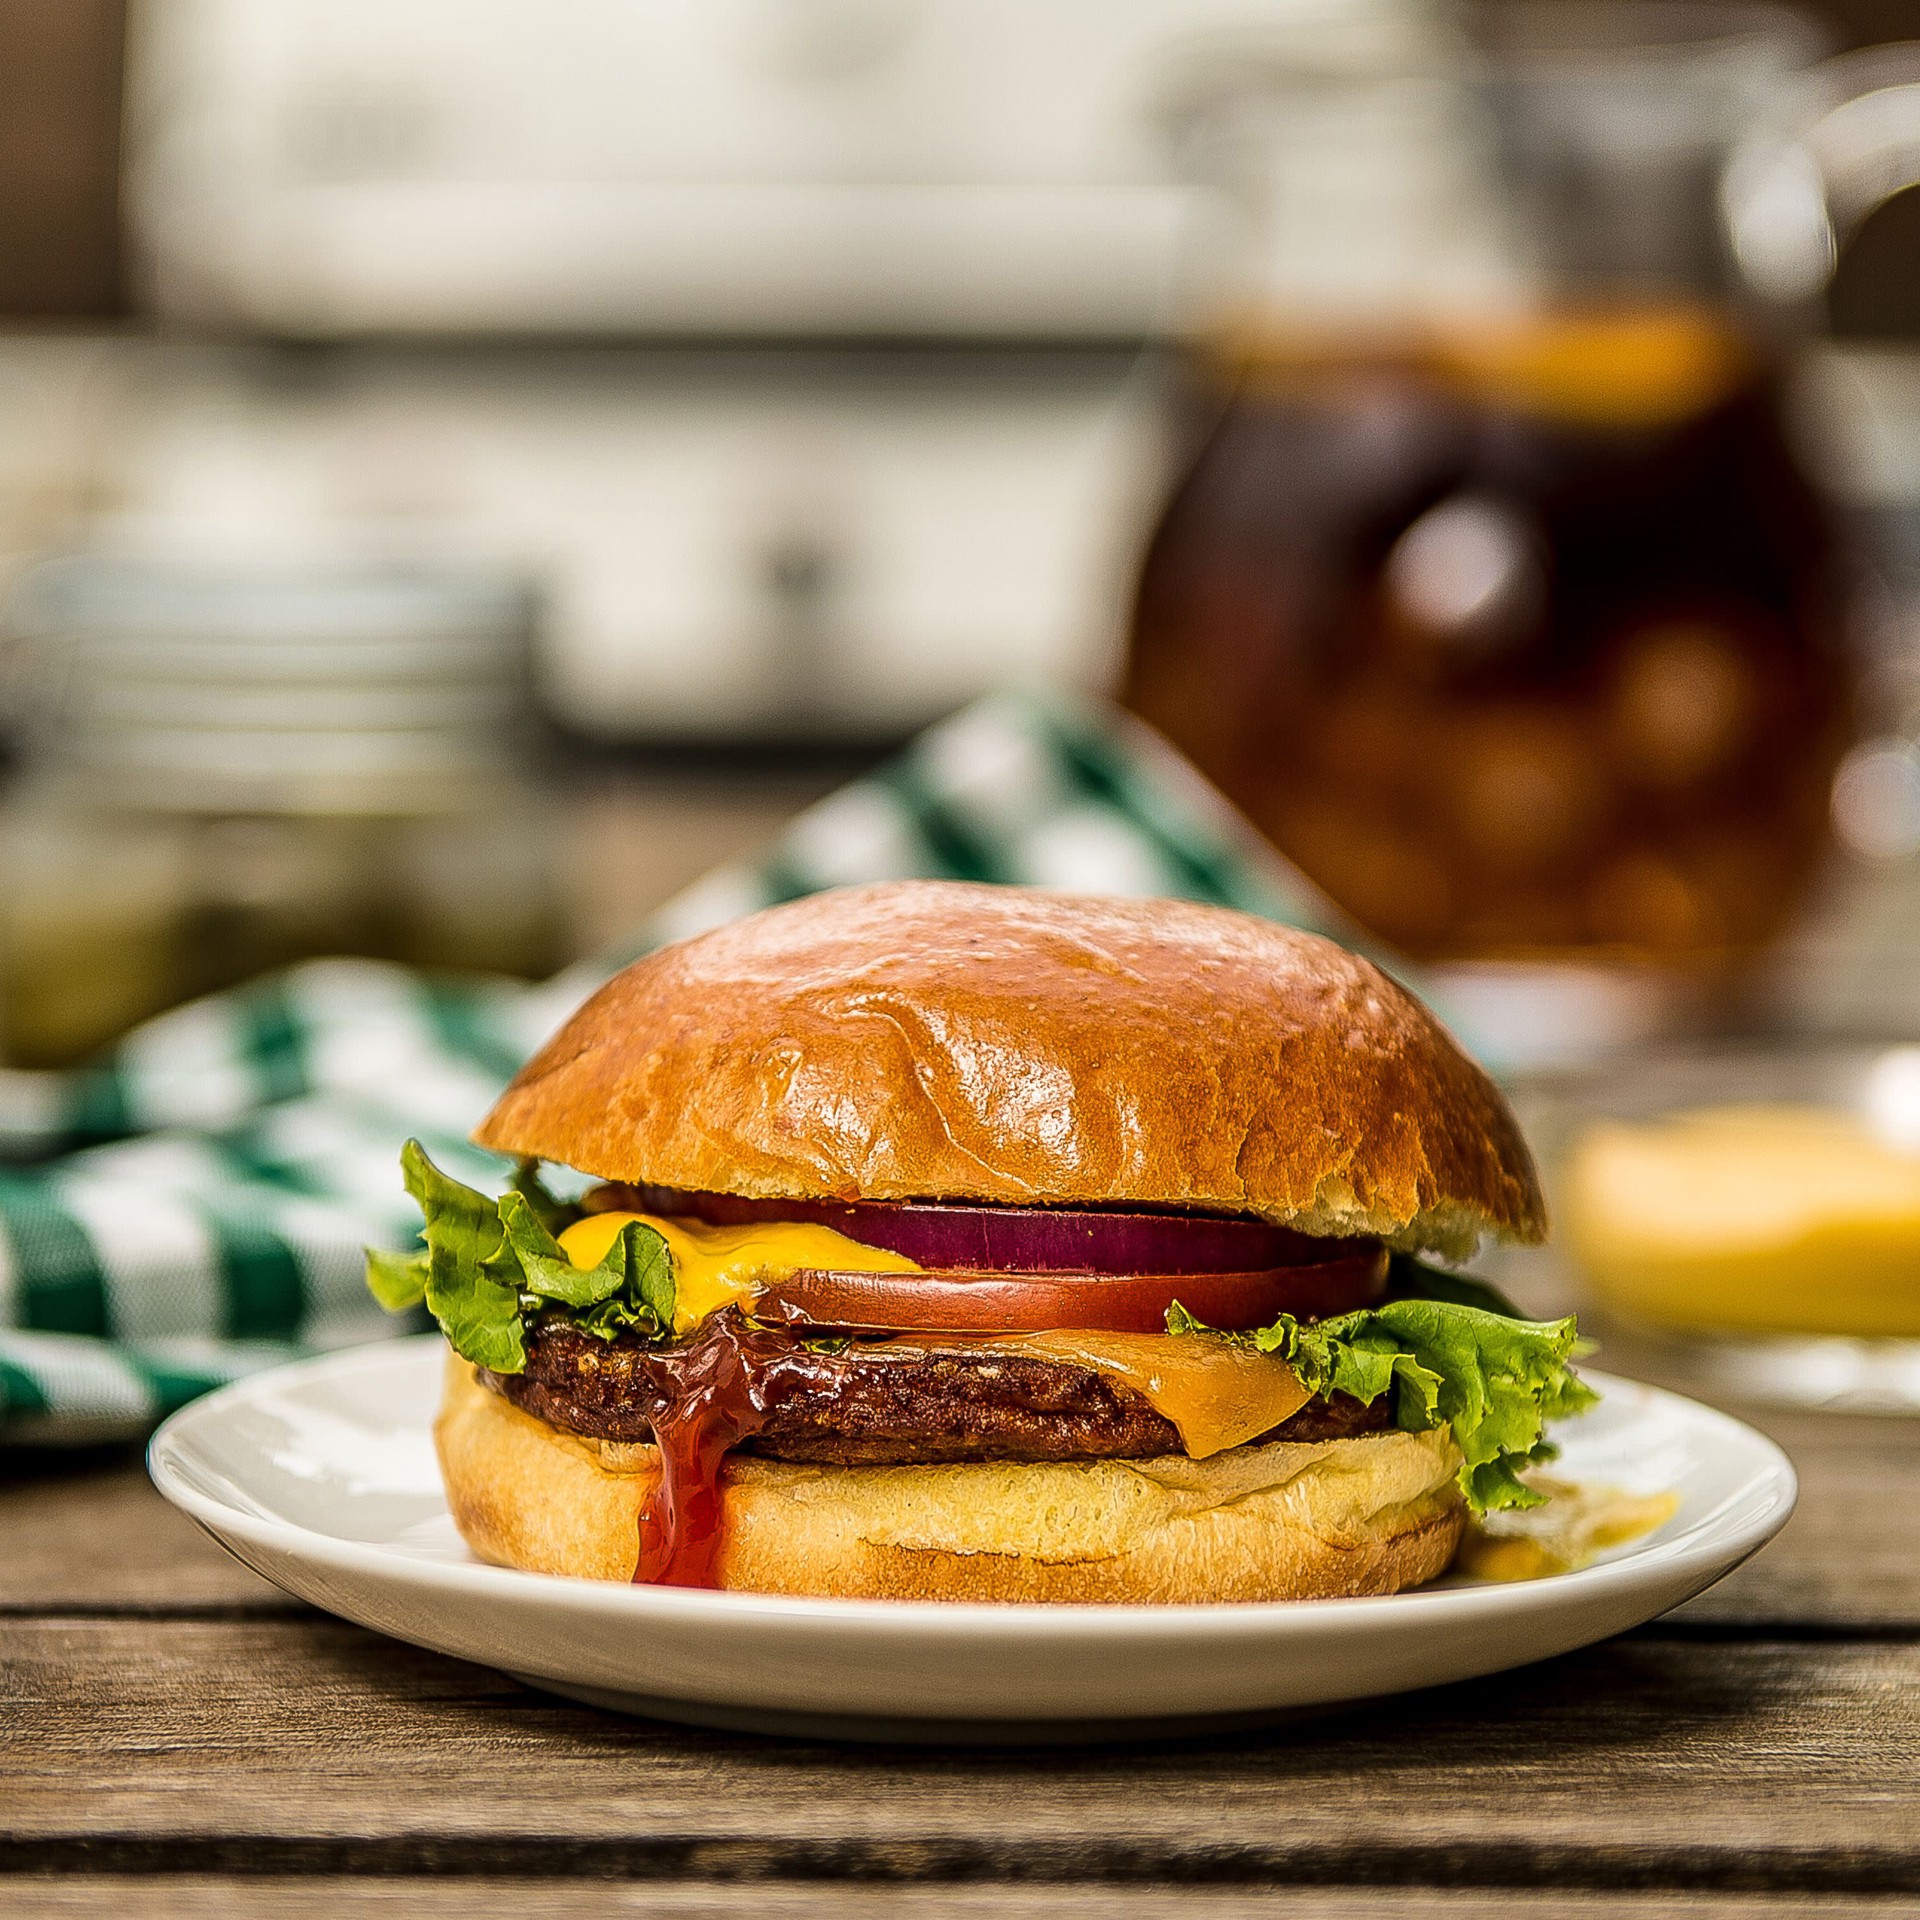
column 1280, row 1522
column 932, row 1040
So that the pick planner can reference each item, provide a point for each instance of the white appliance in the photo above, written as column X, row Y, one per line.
column 449, row 167
column 729, row 545
column 812, row 541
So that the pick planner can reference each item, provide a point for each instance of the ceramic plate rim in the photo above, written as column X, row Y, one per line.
column 1712, row 1544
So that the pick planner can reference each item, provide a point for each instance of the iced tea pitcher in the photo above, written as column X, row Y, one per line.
column 1493, row 590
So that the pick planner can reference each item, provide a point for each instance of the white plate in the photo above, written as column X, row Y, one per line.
column 322, row 1477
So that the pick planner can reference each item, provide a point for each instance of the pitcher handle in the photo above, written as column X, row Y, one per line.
column 1846, row 140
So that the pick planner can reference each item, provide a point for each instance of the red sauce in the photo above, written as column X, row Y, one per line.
column 715, row 1394
column 696, row 1400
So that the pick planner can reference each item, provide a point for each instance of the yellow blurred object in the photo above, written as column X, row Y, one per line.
column 1576, row 1523
column 1780, row 1219
column 1640, row 366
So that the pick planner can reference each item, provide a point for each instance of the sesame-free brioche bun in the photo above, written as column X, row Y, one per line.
column 1286, row 1521
column 929, row 1040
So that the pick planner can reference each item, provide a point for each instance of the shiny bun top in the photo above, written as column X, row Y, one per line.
column 936, row 1040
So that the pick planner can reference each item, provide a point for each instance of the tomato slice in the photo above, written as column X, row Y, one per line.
column 973, row 1302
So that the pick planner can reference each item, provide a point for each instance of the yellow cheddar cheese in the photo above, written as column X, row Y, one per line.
column 1217, row 1393
column 715, row 1267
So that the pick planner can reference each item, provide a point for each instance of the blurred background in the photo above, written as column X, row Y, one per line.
column 467, row 469
column 660, row 411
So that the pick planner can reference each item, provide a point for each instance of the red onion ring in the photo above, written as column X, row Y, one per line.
column 983, row 1239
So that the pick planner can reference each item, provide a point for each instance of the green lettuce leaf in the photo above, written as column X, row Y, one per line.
column 1495, row 1380
column 649, row 1271
column 397, row 1280
column 473, row 1279
column 489, row 1263
column 545, row 1270
column 632, row 1285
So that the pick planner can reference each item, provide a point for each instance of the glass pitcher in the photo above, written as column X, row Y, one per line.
column 1494, row 591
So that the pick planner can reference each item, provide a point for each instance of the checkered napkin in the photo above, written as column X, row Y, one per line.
column 195, row 1206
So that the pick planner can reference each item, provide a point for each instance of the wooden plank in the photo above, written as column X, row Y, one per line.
column 195, row 1897
column 1850, row 1556
column 89, row 1532
column 300, row 1745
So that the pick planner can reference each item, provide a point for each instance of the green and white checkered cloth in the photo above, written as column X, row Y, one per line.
column 195, row 1206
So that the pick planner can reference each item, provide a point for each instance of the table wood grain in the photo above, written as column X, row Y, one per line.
column 194, row 1897
column 177, row 1737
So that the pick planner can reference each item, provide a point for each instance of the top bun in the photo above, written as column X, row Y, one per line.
column 928, row 1040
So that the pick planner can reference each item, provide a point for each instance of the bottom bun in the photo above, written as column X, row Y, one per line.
column 1287, row 1521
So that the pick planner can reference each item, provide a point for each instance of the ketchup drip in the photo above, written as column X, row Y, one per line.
column 716, row 1396
column 696, row 1400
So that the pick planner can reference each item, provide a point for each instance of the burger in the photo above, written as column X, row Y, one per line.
column 954, row 1242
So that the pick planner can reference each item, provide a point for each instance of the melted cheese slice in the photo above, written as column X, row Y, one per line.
column 715, row 1267
column 1574, row 1525
column 1216, row 1394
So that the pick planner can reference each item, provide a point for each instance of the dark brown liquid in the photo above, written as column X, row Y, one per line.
column 1517, row 643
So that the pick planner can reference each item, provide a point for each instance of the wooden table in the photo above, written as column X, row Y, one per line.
column 177, row 1738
